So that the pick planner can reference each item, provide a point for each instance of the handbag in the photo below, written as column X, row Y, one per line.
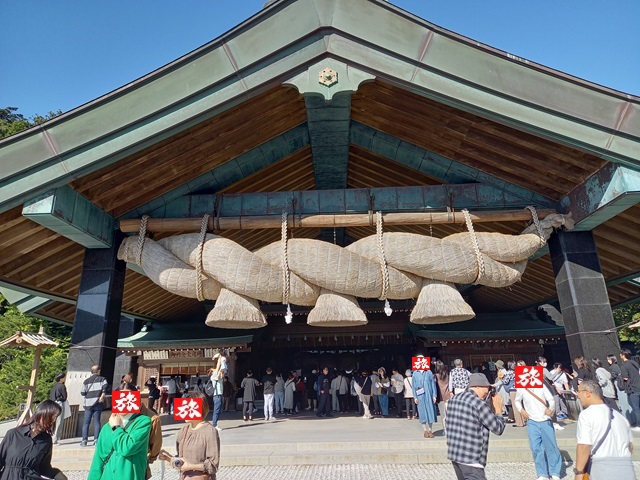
column 587, row 467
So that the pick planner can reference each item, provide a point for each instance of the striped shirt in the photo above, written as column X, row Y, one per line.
column 469, row 420
column 92, row 388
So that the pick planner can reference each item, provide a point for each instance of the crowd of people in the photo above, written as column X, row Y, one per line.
column 471, row 406
column 126, row 445
column 487, row 403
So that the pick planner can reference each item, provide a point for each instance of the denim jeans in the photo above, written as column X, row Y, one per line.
column 411, row 407
column 92, row 412
column 546, row 455
column 279, row 402
column 384, row 404
column 217, row 409
column 634, row 403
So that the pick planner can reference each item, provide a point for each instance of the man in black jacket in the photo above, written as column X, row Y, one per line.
column 324, row 387
column 631, row 381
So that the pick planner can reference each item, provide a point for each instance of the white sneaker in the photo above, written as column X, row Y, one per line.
column 636, row 429
column 557, row 427
column 555, row 477
column 274, row 418
column 218, row 429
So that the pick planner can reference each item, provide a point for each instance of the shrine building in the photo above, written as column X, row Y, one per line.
column 313, row 189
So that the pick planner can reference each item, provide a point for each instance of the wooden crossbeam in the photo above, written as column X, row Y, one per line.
column 323, row 220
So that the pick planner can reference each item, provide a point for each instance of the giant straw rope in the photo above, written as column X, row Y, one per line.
column 310, row 272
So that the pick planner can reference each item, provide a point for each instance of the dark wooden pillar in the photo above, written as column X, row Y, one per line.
column 97, row 318
column 582, row 293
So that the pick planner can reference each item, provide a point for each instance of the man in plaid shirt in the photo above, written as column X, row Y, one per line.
column 469, row 420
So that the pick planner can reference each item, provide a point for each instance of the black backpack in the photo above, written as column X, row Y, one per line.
column 154, row 392
column 209, row 389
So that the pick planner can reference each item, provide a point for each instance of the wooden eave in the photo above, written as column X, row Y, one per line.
column 515, row 121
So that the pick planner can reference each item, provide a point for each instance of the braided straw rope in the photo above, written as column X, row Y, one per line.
column 286, row 283
column 141, row 234
column 396, row 265
column 536, row 221
column 476, row 247
column 201, row 240
column 383, row 261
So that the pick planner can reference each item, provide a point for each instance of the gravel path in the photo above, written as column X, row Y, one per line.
column 501, row 471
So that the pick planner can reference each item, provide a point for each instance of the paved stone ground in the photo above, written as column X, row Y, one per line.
column 502, row 471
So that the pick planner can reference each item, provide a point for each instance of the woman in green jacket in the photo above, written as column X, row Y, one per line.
column 121, row 452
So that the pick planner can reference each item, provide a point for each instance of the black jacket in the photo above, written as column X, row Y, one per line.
column 21, row 455
column 630, row 371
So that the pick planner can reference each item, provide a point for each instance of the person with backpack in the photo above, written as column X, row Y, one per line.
column 269, row 382
column 604, row 379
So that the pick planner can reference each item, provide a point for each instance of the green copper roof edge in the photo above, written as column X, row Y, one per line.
column 44, row 128
column 136, row 341
column 278, row 6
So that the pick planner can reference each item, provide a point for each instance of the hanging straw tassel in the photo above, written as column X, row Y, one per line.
column 336, row 310
column 286, row 279
column 440, row 302
column 235, row 311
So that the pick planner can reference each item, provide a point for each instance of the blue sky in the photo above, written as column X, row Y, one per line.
column 61, row 54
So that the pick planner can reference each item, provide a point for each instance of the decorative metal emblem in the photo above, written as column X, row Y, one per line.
column 328, row 77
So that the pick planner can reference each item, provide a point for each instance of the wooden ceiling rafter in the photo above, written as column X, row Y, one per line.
column 369, row 170
column 456, row 135
column 54, row 269
column 290, row 171
column 443, row 114
column 181, row 158
column 51, row 250
column 160, row 150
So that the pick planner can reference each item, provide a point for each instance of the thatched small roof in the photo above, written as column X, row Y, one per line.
column 25, row 339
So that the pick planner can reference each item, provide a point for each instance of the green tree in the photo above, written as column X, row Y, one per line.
column 624, row 315
column 12, row 122
column 16, row 363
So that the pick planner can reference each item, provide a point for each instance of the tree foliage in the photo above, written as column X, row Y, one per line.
column 12, row 122
column 16, row 363
column 624, row 315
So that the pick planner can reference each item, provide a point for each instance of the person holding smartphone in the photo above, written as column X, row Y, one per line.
column 197, row 446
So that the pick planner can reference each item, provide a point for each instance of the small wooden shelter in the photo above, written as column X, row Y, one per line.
column 30, row 340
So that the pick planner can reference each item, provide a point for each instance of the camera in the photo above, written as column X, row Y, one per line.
column 177, row 462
